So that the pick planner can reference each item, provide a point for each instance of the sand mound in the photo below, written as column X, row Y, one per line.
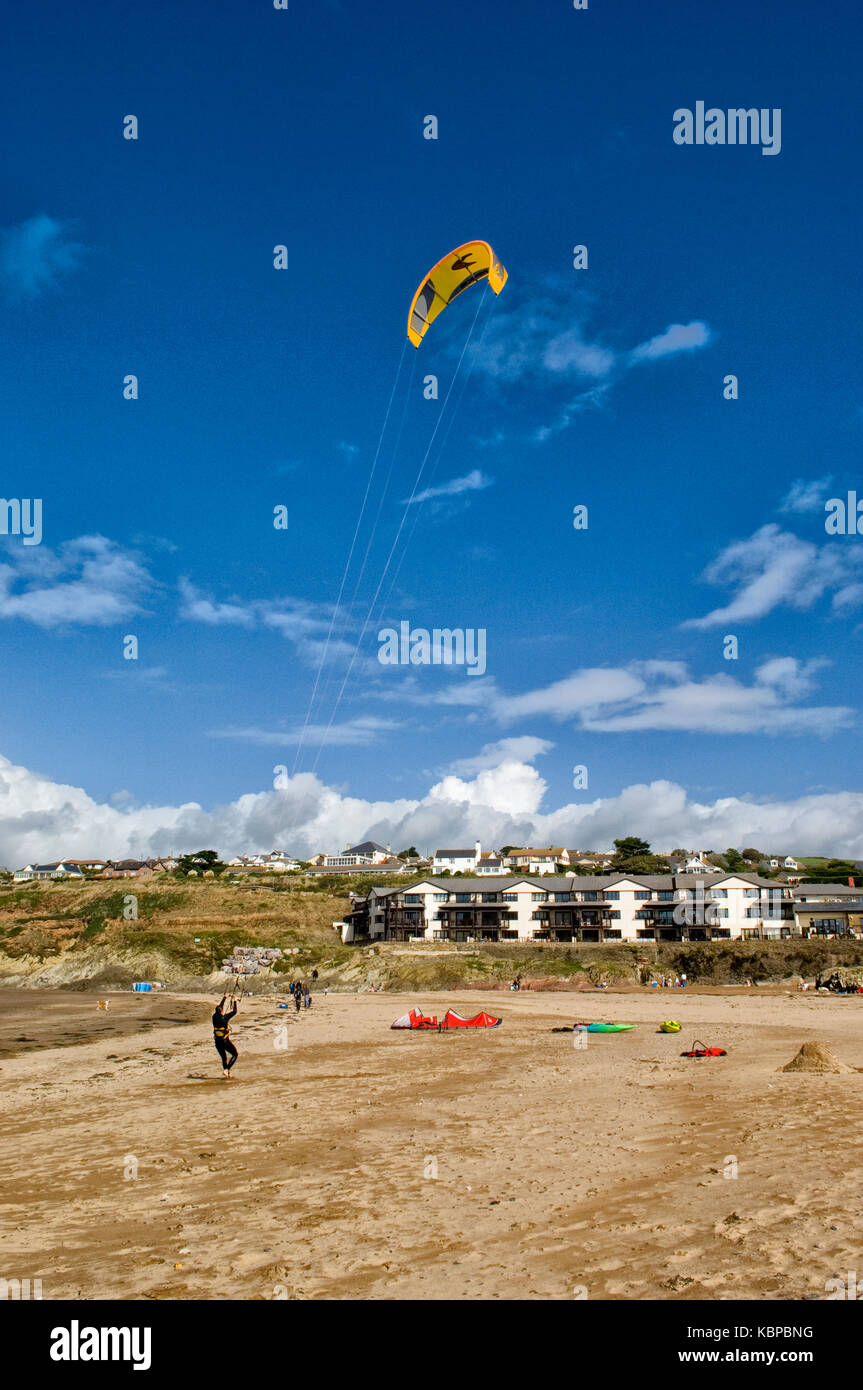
column 817, row 1057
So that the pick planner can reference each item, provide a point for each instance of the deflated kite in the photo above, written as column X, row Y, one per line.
column 464, row 266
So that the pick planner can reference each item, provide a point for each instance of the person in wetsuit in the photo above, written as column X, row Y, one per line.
column 221, row 1035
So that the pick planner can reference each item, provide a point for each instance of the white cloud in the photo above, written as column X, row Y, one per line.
column 522, row 749
column 298, row 621
column 41, row 819
column 89, row 581
column 357, row 732
column 772, row 568
column 807, row 496
column 475, row 481
column 539, row 341
column 661, row 695
column 678, row 337
column 35, row 254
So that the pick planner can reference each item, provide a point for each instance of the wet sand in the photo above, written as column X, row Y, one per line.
column 357, row 1163
column 32, row 1020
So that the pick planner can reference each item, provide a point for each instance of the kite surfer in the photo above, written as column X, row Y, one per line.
column 221, row 1034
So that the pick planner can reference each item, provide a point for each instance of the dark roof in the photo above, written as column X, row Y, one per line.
column 467, row 853
column 367, row 847
column 827, row 889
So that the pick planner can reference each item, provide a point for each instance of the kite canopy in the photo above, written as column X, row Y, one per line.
column 482, row 1020
column 415, row 1019
column 462, row 267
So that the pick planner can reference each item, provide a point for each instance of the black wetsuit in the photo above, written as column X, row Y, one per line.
column 224, row 1046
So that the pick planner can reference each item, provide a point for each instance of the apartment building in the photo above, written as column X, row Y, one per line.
column 669, row 907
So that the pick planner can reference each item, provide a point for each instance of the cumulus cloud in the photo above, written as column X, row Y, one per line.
column 35, row 254
column 772, row 568
column 41, row 819
column 524, row 748
column 89, row 581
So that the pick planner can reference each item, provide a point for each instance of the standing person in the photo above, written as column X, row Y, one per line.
column 307, row 998
column 326, row 990
column 221, row 1035
column 297, row 1000
column 314, row 974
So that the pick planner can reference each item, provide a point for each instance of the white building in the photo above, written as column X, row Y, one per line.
column 356, row 856
column 62, row 868
column 457, row 861
column 553, row 908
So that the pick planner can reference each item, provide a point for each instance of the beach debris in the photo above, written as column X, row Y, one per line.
column 102, row 1003
column 815, row 1057
column 699, row 1049
column 669, row 1025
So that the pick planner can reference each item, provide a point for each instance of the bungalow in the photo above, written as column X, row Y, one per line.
column 61, row 868
column 128, row 868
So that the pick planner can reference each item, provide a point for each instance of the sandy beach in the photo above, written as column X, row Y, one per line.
column 347, row 1161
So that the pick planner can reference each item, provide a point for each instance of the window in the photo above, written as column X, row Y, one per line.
column 719, row 892
column 561, row 897
column 750, row 892
column 613, row 898
column 539, row 897
column 641, row 897
column 614, row 915
column 510, row 897
column 665, row 896
column 441, row 897
column 489, row 897
column 589, row 897
column 462, row 897
column 412, row 898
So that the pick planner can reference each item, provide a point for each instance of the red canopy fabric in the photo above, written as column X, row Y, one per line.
column 483, row 1020
column 414, row 1019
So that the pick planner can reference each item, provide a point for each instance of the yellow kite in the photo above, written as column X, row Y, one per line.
column 462, row 267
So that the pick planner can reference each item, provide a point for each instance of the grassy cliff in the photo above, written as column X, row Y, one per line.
column 76, row 936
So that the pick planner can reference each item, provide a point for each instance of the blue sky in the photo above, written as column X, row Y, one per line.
column 261, row 387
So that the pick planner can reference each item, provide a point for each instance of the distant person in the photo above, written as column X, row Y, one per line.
column 297, row 1000
column 221, row 1035
column 326, row 990
column 307, row 998
column 314, row 974
column 683, row 982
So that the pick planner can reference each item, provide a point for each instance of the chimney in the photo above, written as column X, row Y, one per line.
column 477, row 849
column 347, row 846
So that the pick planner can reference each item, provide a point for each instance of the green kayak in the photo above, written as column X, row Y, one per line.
column 602, row 1027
